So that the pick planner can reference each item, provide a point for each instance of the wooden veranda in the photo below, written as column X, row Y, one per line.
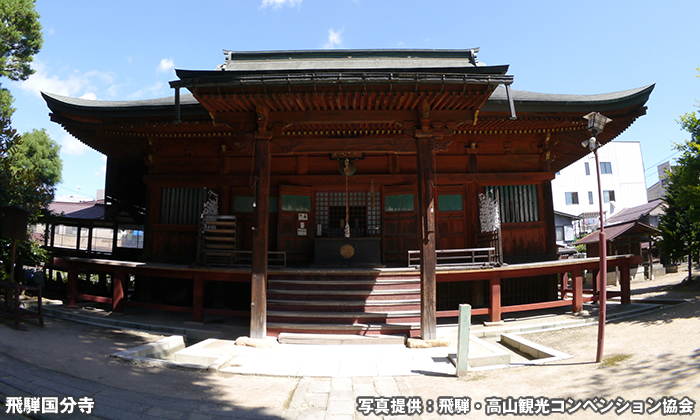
column 569, row 272
column 327, row 156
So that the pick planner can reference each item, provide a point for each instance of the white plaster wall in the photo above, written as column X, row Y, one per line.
column 627, row 180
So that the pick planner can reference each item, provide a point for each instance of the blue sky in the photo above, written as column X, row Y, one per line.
column 129, row 49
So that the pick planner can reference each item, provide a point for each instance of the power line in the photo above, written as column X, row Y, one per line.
column 661, row 161
column 75, row 192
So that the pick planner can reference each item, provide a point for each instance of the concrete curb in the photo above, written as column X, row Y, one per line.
column 541, row 353
column 154, row 354
column 157, row 350
column 189, row 333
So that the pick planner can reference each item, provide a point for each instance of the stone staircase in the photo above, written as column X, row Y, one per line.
column 344, row 304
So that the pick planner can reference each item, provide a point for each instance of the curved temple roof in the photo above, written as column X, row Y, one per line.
column 525, row 102
column 544, row 102
column 387, row 84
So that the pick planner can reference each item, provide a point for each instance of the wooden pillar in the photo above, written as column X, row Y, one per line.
column 564, row 285
column 72, row 283
column 118, row 290
column 152, row 217
column 197, row 298
column 89, row 241
column 577, row 285
column 625, row 287
column 495, row 304
column 258, row 301
column 547, row 209
column 594, row 279
column 426, row 238
column 115, row 237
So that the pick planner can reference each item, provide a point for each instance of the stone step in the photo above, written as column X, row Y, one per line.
column 301, row 295
column 408, row 329
column 344, row 305
column 344, row 317
column 344, row 284
column 340, row 339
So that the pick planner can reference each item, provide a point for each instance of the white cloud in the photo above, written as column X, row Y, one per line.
column 89, row 95
column 112, row 91
column 334, row 39
column 74, row 84
column 166, row 65
column 157, row 89
column 72, row 146
column 276, row 4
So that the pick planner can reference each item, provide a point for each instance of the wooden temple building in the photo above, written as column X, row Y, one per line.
column 291, row 186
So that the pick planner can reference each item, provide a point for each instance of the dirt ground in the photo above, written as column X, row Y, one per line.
column 654, row 355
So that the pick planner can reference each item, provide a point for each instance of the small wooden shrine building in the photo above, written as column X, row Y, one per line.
column 319, row 160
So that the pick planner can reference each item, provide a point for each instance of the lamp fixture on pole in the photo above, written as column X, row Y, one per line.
column 596, row 123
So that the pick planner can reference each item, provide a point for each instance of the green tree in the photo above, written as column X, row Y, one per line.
column 20, row 40
column 24, row 184
column 680, row 226
column 37, row 152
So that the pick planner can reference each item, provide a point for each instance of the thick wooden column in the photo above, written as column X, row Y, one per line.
column 577, row 285
column 548, row 217
column 625, row 287
column 258, row 299
column 563, row 285
column 495, row 298
column 117, row 290
column 72, row 284
column 426, row 238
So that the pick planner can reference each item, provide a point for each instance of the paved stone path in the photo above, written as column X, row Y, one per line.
column 313, row 398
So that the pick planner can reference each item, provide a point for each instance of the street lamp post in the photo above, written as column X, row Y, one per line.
column 596, row 123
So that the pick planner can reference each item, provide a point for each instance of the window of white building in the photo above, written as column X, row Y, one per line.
column 608, row 196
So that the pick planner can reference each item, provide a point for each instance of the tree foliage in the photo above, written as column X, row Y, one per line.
column 20, row 40
column 20, row 186
column 37, row 152
column 680, row 226
column 28, row 167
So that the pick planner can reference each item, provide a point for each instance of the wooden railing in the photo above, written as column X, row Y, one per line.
column 466, row 257
column 576, row 267
column 573, row 295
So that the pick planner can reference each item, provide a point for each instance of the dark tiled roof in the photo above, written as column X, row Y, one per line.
column 614, row 232
column 534, row 102
column 524, row 101
column 349, row 60
column 163, row 103
column 570, row 216
column 86, row 210
column 633, row 213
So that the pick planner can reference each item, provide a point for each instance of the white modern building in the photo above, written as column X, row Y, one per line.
column 658, row 190
column 575, row 188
